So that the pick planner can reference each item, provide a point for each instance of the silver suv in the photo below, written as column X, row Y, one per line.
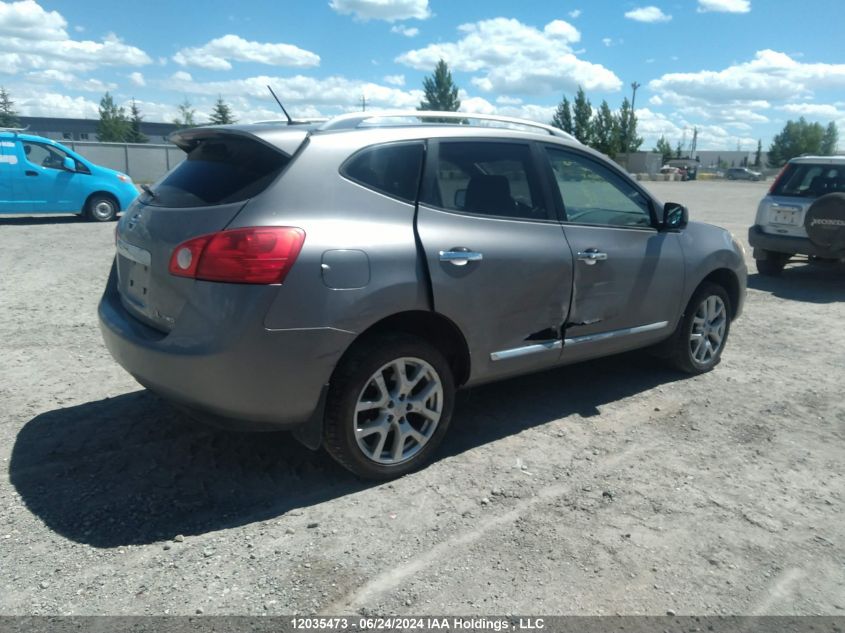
column 803, row 213
column 342, row 280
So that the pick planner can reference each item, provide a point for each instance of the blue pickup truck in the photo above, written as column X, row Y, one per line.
column 38, row 175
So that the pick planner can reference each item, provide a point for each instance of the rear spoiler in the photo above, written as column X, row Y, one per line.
column 284, row 139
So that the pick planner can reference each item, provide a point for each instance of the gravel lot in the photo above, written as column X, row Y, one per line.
column 611, row 487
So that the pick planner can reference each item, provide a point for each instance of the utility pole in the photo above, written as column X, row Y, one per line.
column 363, row 103
column 625, row 142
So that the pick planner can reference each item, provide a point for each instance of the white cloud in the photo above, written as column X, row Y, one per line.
column 647, row 14
column 724, row 6
column 33, row 39
column 652, row 125
column 216, row 54
column 513, row 57
column 395, row 80
column 770, row 76
column 607, row 41
column 812, row 109
column 575, row 14
column 332, row 94
column 137, row 79
column 388, row 10
column 407, row 31
column 69, row 80
column 29, row 21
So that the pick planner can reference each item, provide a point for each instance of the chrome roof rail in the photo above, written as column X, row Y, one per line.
column 14, row 129
column 355, row 120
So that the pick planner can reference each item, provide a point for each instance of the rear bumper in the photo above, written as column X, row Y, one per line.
column 242, row 376
column 761, row 241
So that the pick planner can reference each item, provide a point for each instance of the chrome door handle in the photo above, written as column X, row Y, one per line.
column 591, row 256
column 460, row 258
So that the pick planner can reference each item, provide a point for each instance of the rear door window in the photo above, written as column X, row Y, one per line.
column 219, row 171
column 487, row 178
column 392, row 169
column 809, row 180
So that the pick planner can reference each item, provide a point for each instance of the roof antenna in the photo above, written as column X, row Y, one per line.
column 290, row 120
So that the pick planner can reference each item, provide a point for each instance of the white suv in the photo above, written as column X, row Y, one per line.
column 803, row 213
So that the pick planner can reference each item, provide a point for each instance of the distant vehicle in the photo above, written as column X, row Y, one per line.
column 688, row 167
column 743, row 173
column 803, row 213
column 343, row 280
column 38, row 175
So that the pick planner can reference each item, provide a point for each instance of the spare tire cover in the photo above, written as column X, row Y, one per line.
column 825, row 222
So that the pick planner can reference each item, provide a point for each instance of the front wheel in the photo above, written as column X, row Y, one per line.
column 101, row 209
column 703, row 330
column 389, row 406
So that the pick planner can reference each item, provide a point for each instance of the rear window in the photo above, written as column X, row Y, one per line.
column 810, row 181
column 219, row 171
column 392, row 169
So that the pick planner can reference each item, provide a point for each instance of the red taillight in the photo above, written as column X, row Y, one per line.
column 255, row 255
column 778, row 178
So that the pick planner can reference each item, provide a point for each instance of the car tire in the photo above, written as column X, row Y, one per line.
column 705, row 322
column 773, row 264
column 101, row 209
column 379, row 426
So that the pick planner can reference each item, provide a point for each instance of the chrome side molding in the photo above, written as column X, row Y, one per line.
column 535, row 348
column 601, row 336
column 548, row 346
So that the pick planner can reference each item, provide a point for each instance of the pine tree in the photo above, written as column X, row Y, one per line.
column 563, row 117
column 664, row 149
column 605, row 131
column 627, row 124
column 830, row 140
column 758, row 155
column 441, row 93
column 187, row 115
column 583, row 114
column 222, row 113
column 113, row 126
column 8, row 116
column 135, row 135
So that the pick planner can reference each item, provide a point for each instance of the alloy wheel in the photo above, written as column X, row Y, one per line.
column 398, row 410
column 708, row 329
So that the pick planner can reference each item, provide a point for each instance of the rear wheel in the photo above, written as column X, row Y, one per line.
column 389, row 406
column 101, row 208
column 772, row 264
column 703, row 331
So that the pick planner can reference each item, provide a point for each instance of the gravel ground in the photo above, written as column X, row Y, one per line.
column 615, row 486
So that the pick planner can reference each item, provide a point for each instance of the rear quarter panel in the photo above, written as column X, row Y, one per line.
column 340, row 215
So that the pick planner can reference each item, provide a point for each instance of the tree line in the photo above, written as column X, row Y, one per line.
column 116, row 125
column 609, row 132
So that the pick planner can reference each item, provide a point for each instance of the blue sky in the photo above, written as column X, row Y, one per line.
column 735, row 69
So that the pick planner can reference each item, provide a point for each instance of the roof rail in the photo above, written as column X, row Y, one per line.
column 356, row 120
column 14, row 129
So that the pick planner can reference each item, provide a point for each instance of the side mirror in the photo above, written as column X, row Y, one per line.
column 68, row 164
column 460, row 198
column 675, row 216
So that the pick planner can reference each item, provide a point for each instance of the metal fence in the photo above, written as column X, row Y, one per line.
column 144, row 162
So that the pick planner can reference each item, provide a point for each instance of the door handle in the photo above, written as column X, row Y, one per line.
column 460, row 258
column 29, row 172
column 591, row 256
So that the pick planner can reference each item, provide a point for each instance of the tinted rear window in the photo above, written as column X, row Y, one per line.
column 810, row 181
column 219, row 171
column 392, row 169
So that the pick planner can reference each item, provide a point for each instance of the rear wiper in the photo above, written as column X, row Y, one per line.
column 152, row 194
